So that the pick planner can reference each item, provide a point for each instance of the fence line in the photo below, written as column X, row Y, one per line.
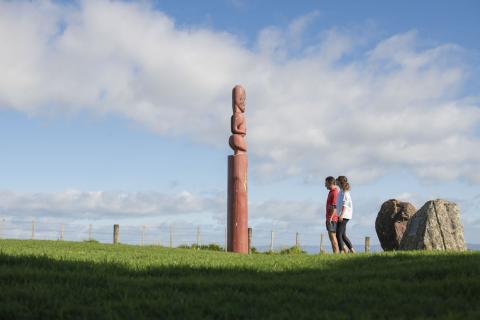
column 160, row 234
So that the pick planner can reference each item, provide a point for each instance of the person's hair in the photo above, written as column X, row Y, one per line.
column 330, row 180
column 342, row 181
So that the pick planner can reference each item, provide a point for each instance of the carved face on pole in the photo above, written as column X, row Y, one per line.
column 239, row 129
column 238, row 99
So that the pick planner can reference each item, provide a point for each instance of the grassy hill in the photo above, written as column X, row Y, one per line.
column 65, row 280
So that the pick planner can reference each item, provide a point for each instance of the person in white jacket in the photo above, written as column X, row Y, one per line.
column 345, row 211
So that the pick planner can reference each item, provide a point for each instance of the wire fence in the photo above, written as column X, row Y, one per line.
column 167, row 235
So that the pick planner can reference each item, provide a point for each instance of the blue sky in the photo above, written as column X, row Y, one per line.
column 439, row 21
column 119, row 111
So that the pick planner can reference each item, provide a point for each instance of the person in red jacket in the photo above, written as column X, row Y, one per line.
column 331, row 212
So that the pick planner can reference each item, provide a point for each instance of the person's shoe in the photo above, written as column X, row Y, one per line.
column 352, row 251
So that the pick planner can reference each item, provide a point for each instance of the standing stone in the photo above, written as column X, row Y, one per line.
column 391, row 223
column 436, row 226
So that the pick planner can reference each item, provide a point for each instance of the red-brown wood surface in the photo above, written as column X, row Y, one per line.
column 237, row 204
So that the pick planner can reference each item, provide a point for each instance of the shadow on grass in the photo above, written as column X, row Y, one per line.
column 370, row 287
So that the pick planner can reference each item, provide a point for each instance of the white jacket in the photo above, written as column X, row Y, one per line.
column 345, row 200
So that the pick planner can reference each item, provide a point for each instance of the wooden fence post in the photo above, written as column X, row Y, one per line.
column 170, row 230
column 272, row 239
column 160, row 236
column 249, row 240
column 367, row 244
column 226, row 240
column 143, row 235
column 322, row 249
column 1, row 228
column 297, row 241
column 33, row 229
column 62, row 230
column 90, row 232
column 198, row 237
column 116, row 233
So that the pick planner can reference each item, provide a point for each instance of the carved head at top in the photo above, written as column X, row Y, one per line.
column 238, row 99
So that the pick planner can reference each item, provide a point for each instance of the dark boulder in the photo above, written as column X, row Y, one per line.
column 391, row 223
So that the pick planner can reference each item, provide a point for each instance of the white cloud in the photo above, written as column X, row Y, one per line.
column 74, row 205
column 80, row 205
column 471, row 211
column 276, row 44
column 311, row 111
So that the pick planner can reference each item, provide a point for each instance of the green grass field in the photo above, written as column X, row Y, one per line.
column 67, row 280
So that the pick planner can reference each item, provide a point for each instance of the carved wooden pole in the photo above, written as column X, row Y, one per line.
column 237, row 201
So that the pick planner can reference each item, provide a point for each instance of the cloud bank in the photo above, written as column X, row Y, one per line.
column 82, row 205
column 186, row 210
column 334, row 106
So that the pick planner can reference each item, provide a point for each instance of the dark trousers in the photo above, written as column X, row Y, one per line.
column 342, row 235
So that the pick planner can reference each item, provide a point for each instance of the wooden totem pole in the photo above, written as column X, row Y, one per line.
column 237, row 201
